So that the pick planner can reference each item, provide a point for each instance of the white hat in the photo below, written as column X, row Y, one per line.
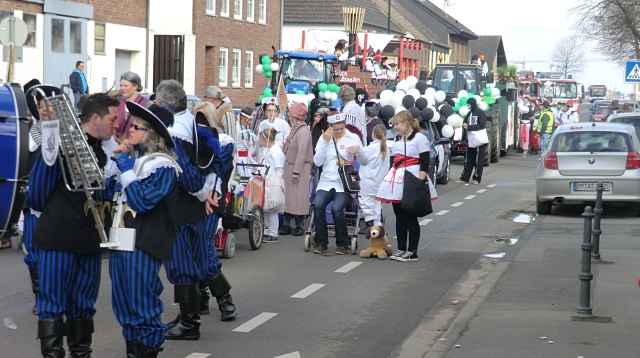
column 336, row 118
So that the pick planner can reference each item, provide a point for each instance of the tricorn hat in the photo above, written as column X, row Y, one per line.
column 33, row 96
column 155, row 123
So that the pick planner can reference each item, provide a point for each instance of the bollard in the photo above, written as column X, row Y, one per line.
column 597, row 218
column 584, row 307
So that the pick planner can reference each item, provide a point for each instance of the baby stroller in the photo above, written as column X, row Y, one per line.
column 352, row 216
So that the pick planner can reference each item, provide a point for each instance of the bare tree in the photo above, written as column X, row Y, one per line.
column 613, row 24
column 568, row 56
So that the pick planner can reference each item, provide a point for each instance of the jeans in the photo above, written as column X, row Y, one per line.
column 545, row 139
column 340, row 201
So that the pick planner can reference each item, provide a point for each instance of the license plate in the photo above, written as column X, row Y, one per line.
column 590, row 186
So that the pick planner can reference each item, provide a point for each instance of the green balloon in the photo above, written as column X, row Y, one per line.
column 487, row 92
column 334, row 88
column 464, row 101
column 323, row 87
column 489, row 100
column 265, row 60
column 267, row 92
column 268, row 73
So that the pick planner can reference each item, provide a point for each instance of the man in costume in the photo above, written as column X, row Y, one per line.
column 68, row 241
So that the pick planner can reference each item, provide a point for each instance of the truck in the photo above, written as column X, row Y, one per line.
column 558, row 89
column 300, row 71
column 597, row 92
column 529, row 86
column 503, row 130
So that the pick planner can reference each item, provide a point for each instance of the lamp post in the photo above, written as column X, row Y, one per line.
column 353, row 18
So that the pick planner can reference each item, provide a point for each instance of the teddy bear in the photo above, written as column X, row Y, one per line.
column 378, row 246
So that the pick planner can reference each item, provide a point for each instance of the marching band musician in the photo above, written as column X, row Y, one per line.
column 194, row 257
column 67, row 239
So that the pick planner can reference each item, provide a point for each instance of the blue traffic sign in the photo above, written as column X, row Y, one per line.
column 632, row 71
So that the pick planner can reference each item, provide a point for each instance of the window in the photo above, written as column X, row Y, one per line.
column 224, row 8
column 75, row 32
column 223, row 58
column 236, row 68
column 30, row 20
column 57, row 35
column 250, row 10
column 262, row 11
column 211, row 8
column 237, row 9
column 100, row 39
column 248, row 69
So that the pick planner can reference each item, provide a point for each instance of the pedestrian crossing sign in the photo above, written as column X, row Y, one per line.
column 632, row 71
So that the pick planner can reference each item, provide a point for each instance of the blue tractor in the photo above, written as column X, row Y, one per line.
column 302, row 70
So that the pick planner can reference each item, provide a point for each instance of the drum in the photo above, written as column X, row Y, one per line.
column 14, row 146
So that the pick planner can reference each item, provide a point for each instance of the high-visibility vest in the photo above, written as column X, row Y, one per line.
column 550, row 122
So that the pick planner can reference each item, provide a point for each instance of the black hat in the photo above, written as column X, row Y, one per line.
column 29, row 91
column 163, row 114
column 203, row 154
column 155, row 123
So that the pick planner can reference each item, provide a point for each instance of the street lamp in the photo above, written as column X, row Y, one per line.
column 353, row 18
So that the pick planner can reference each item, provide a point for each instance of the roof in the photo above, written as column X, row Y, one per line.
column 624, row 115
column 411, row 12
column 435, row 13
column 329, row 12
column 595, row 127
column 309, row 55
column 491, row 47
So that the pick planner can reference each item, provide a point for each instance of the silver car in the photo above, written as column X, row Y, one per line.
column 582, row 155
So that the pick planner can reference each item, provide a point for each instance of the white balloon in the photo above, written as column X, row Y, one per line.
column 386, row 97
column 455, row 121
column 464, row 111
column 275, row 67
column 400, row 108
column 414, row 93
column 258, row 68
column 495, row 92
column 430, row 92
column 440, row 96
column 483, row 105
column 436, row 116
column 334, row 96
column 398, row 96
column 447, row 131
column 412, row 80
column 403, row 85
column 478, row 98
column 463, row 94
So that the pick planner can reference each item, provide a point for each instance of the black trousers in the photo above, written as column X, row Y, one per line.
column 406, row 224
column 475, row 158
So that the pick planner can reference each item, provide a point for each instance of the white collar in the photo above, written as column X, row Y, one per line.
column 183, row 124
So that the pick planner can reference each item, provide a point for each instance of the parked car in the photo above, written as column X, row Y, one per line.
column 601, row 110
column 632, row 118
column 582, row 155
column 440, row 163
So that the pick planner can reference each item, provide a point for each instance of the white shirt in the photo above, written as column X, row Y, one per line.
column 326, row 158
column 274, row 157
column 567, row 117
column 374, row 166
column 280, row 125
column 418, row 144
column 354, row 116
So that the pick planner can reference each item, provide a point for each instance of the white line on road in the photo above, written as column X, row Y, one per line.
column 256, row 321
column 295, row 354
column 442, row 212
column 457, row 204
column 425, row 222
column 198, row 355
column 348, row 267
column 308, row 291
column 469, row 197
column 481, row 191
column 491, row 186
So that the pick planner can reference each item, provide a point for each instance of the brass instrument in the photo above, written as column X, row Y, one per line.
column 83, row 172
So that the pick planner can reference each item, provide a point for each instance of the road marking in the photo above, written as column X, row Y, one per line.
column 308, row 291
column 491, row 186
column 442, row 212
column 295, row 354
column 457, row 204
column 256, row 321
column 469, row 197
column 425, row 222
column 481, row 191
column 198, row 355
column 348, row 267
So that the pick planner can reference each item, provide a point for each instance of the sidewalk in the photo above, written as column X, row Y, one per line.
column 537, row 296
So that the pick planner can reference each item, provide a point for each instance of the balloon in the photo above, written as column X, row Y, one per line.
column 403, row 85
column 436, row 117
column 463, row 101
column 398, row 96
column 258, row 68
column 422, row 103
column 427, row 114
column 322, row 87
column 487, row 92
column 268, row 73
column 495, row 92
column 334, row 88
column 464, row 111
column 483, row 106
column 463, row 94
column 386, row 97
column 400, row 109
column 415, row 112
column 386, row 112
column 440, row 96
column 265, row 60
column 422, row 87
column 412, row 81
column 408, row 102
column 445, row 110
column 430, row 92
column 490, row 100
column 334, row 96
column 447, row 131
column 414, row 93
column 275, row 67
column 455, row 121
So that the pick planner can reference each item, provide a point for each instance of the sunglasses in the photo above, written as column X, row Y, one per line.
column 139, row 128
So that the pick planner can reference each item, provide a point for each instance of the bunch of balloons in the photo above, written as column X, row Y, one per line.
column 328, row 91
column 489, row 97
column 267, row 67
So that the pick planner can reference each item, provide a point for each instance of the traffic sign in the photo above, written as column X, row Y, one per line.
column 13, row 31
column 632, row 71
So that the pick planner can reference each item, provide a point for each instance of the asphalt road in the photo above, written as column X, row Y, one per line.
column 366, row 310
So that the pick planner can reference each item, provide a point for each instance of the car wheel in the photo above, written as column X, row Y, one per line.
column 543, row 207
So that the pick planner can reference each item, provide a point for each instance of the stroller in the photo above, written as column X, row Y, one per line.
column 352, row 216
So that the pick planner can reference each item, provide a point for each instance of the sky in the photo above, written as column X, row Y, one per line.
column 531, row 30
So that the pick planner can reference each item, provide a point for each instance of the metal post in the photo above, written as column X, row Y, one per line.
column 584, row 306
column 597, row 218
column 389, row 17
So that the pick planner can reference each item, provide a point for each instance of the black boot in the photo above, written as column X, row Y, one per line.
column 79, row 337
column 204, row 299
column 187, row 327
column 51, row 333
column 143, row 351
column 220, row 288
column 132, row 349
column 33, row 274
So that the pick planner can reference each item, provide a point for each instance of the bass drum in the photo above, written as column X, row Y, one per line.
column 14, row 157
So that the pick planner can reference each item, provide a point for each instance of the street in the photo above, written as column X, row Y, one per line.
column 344, row 306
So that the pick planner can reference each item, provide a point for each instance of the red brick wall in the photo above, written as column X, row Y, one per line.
column 10, row 5
column 232, row 34
column 124, row 12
